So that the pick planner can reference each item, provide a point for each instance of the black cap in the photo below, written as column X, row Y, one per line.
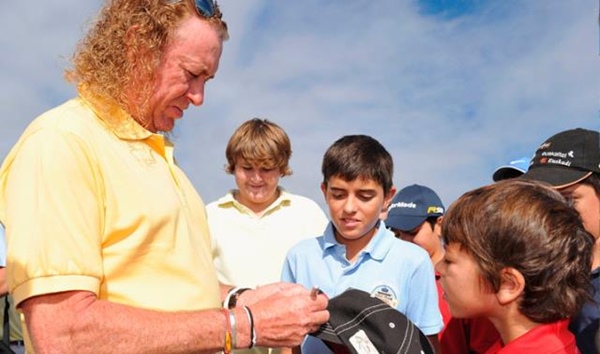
column 566, row 158
column 365, row 324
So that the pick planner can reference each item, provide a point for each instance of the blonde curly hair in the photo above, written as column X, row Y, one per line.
column 123, row 48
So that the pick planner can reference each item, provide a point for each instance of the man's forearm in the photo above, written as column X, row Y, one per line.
column 88, row 325
column 77, row 322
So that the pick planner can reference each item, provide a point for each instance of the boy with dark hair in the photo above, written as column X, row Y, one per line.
column 570, row 162
column 416, row 215
column 357, row 251
column 517, row 253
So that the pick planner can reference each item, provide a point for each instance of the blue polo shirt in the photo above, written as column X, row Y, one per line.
column 398, row 272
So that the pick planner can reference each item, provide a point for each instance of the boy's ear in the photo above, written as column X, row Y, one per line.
column 324, row 189
column 388, row 198
column 438, row 226
column 512, row 285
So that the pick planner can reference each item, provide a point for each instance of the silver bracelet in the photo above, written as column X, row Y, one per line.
column 233, row 329
column 252, row 330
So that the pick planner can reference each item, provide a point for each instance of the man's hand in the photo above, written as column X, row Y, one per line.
column 253, row 296
column 285, row 313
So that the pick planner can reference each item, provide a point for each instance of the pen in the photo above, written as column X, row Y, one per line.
column 314, row 292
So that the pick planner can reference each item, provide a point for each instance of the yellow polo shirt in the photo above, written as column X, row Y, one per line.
column 93, row 201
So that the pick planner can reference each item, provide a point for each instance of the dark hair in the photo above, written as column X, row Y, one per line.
column 432, row 221
column 359, row 156
column 530, row 227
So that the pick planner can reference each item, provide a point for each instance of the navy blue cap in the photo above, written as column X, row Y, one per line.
column 411, row 206
column 566, row 158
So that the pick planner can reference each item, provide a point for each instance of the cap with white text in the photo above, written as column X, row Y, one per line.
column 566, row 158
column 411, row 206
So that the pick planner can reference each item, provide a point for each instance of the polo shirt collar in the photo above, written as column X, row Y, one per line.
column 113, row 116
column 229, row 200
column 378, row 247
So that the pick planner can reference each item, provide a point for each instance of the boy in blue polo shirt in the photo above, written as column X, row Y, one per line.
column 357, row 251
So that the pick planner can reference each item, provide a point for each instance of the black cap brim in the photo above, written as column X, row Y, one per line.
column 558, row 177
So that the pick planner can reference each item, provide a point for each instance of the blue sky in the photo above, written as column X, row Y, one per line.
column 452, row 88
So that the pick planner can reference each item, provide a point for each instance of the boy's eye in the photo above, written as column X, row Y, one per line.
column 267, row 169
column 365, row 197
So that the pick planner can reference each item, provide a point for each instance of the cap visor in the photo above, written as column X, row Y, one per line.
column 404, row 223
column 506, row 172
column 558, row 177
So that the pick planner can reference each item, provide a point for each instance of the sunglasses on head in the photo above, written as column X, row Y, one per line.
column 205, row 8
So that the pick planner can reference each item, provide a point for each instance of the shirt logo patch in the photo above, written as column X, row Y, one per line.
column 385, row 294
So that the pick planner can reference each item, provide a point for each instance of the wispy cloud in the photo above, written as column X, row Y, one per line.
column 451, row 97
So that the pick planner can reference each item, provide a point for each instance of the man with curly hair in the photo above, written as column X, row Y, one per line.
column 108, row 244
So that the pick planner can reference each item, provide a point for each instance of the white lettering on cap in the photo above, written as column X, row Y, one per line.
column 557, row 154
column 403, row 205
column 559, row 162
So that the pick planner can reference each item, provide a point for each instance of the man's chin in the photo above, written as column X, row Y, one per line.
column 166, row 126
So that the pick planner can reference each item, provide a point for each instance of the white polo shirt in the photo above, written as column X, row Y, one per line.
column 248, row 249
